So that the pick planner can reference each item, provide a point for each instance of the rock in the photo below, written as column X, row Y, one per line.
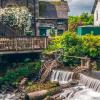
column 38, row 95
column 23, row 81
column 74, row 82
column 22, row 84
column 48, row 98
column 56, row 97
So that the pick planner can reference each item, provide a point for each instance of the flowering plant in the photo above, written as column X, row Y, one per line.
column 16, row 17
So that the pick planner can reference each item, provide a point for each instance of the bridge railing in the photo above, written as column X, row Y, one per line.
column 22, row 43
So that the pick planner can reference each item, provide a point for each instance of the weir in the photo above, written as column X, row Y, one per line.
column 62, row 77
column 88, row 88
column 90, row 82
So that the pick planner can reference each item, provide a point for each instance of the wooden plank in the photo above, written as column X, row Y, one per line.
column 20, row 52
column 14, row 44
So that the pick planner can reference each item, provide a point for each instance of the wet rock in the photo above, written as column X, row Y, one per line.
column 36, row 95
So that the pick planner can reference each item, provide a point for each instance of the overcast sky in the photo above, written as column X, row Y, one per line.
column 79, row 6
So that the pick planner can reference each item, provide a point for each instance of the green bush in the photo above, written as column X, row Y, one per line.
column 54, row 44
column 13, row 76
column 73, row 45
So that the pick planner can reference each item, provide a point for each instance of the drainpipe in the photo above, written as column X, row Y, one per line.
column 35, row 31
column 1, row 3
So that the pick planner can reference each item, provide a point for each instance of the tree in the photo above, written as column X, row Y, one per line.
column 83, row 19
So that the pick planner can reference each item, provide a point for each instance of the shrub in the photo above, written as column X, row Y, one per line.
column 73, row 45
column 54, row 44
column 13, row 76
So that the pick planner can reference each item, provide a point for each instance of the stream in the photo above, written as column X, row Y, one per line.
column 11, row 96
column 87, row 89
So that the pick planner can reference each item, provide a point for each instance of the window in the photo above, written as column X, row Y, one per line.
column 60, row 21
column 60, row 31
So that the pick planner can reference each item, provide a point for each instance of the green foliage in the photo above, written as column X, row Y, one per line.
column 83, row 19
column 91, row 45
column 54, row 44
column 86, row 18
column 74, row 45
column 13, row 76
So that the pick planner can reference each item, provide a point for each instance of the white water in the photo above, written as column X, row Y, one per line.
column 88, row 88
column 62, row 77
column 90, row 82
column 80, row 93
column 7, row 97
column 11, row 96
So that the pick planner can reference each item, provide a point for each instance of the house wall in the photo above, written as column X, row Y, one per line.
column 97, row 15
column 54, row 23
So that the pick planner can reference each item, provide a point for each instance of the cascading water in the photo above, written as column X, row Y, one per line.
column 83, row 91
column 11, row 96
column 90, row 82
column 62, row 77
column 80, row 93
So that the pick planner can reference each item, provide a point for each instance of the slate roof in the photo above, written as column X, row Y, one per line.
column 53, row 9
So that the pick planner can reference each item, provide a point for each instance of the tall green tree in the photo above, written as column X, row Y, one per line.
column 83, row 19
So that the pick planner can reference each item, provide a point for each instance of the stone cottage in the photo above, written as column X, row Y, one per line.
column 53, row 16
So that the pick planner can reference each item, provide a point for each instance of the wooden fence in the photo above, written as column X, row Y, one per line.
column 22, row 43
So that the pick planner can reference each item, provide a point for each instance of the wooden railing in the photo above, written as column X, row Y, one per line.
column 22, row 43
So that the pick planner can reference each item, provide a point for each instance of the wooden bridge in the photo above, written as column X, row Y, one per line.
column 9, row 45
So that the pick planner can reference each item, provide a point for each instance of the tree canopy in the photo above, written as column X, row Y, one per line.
column 83, row 19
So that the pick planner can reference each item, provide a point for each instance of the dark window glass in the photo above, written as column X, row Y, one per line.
column 60, row 21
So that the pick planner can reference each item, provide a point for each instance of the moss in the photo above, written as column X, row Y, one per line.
column 31, row 87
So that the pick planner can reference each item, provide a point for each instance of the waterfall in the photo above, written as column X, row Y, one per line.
column 90, row 82
column 80, row 93
column 87, row 89
column 62, row 77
